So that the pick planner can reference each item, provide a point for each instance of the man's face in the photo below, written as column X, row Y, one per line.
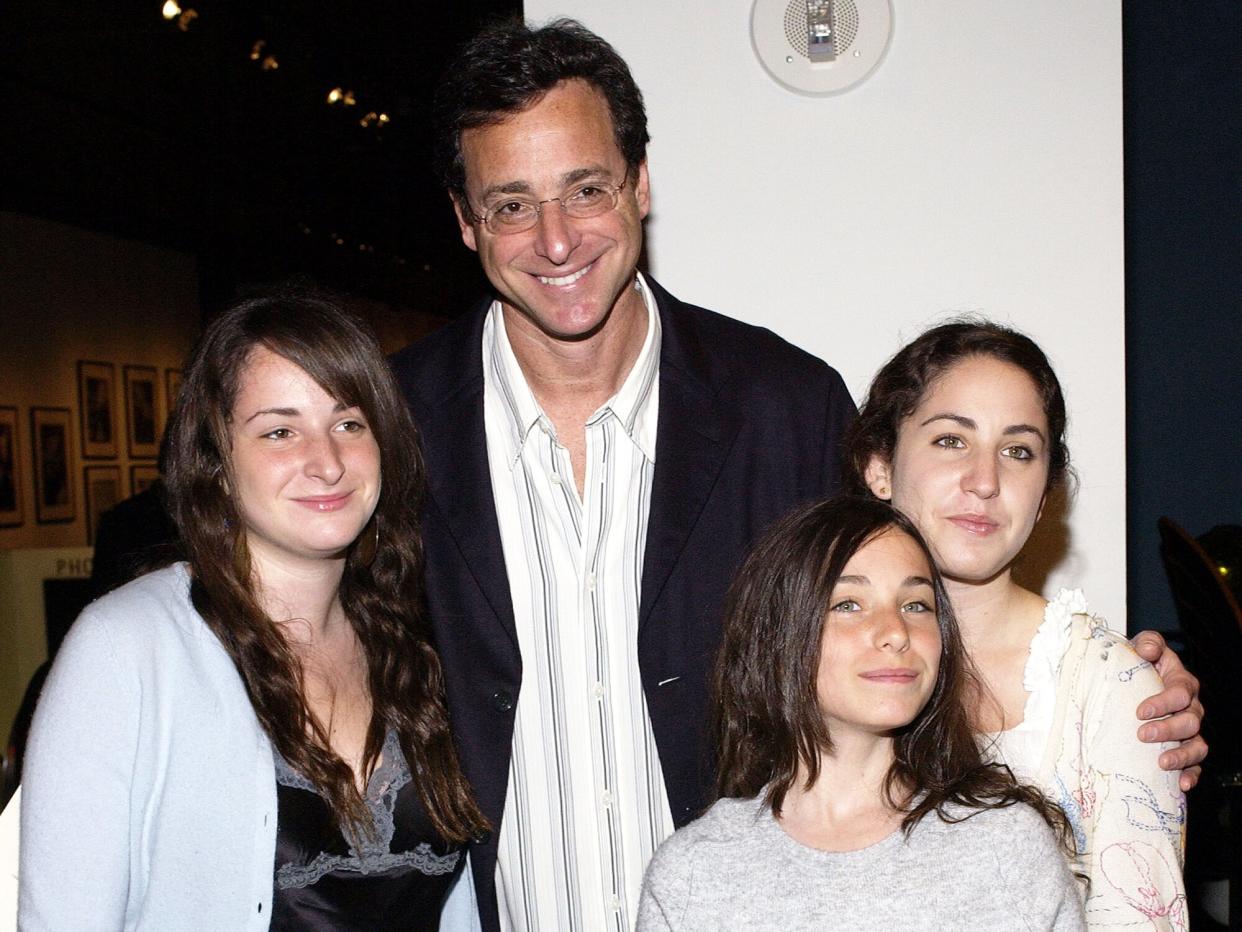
column 565, row 276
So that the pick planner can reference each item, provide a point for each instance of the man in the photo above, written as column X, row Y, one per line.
column 600, row 457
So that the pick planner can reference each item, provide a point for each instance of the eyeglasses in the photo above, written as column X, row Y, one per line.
column 519, row 214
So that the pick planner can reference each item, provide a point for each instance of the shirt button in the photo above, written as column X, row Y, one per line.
column 502, row 701
column 606, row 798
column 556, row 478
column 590, row 582
column 598, row 690
column 615, row 903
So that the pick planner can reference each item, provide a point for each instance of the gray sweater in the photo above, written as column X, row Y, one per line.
column 735, row 868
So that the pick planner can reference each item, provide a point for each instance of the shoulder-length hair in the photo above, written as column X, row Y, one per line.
column 768, row 723
column 381, row 588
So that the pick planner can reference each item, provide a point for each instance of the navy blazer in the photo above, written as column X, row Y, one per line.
column 749, row 426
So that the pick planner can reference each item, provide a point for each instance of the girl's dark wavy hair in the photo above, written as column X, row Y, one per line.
column 768, row 724
column 902, row 383
column 382, row 596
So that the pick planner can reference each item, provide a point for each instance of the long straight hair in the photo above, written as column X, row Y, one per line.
column 381, row 591
column 768, row 722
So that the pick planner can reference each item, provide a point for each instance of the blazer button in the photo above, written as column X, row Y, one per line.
column 481, row 837
column 502, row 702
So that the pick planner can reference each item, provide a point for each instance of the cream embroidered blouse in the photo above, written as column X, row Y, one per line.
column 1078, row 742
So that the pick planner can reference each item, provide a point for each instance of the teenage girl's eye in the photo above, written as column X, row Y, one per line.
column 950, row 441
column 280, row 433
column 847, row 605
column 918, row 606
column 1019, row 451
column 352, row 426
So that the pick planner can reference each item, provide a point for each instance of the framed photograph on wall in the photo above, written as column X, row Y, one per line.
column 103, row 490
column 10, row 470
column 143, row 431
column 52, row 445
column 141, row 477
column 172, row 388
column 97, row 407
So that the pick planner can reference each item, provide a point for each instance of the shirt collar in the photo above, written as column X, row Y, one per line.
column 634, row 405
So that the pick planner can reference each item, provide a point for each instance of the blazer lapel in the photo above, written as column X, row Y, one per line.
column 460, row 486
column 696, row 430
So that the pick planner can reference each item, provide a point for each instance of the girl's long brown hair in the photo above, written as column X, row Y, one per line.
column 381, row 594
column 768, row 723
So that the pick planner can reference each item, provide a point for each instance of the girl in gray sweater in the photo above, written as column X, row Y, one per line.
column 852, row 792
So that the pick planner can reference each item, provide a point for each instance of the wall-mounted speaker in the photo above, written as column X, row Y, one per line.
column 820, row 47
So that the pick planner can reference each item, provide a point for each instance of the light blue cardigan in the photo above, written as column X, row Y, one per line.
column 149, row 789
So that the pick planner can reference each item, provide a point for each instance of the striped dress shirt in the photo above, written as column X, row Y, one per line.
column 586, row 805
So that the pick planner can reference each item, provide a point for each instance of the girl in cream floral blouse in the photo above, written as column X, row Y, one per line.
column 964, row 431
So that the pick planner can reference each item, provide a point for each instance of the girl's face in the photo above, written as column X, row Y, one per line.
column 971, row 467
column 880, row 651
column 306, row 468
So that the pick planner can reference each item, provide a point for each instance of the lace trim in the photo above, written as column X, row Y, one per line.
column 1039, row 678
column 422, row 859
column 366, row 856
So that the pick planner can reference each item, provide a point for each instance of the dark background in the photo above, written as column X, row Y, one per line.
column 116, row 120
column 1183, row 189
column 119, row 121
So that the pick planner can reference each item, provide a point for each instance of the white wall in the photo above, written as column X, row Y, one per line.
column 979, row 169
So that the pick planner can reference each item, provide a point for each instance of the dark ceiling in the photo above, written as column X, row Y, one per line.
column 118, row 119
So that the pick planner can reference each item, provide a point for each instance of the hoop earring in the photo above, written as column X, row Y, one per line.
column 367, row 545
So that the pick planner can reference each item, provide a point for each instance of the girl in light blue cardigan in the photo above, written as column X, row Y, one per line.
column 257, row 737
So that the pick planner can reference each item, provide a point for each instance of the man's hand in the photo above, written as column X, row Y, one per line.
column 1178, row 708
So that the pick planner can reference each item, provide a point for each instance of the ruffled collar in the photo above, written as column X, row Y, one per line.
column 1022, row 746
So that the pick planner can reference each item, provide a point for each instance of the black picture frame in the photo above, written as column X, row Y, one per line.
column 141, row 413
column 11, row 498
column 97, row 409
column 102, row 488
column 51, row 445
column 172, row 388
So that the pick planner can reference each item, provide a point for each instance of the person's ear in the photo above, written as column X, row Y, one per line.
column 879, row 475
column 642, row 190
column 464, row 223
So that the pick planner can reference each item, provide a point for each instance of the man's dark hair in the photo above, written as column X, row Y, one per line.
column 509, row 66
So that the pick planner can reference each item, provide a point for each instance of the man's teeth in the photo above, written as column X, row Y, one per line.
column 566, row 279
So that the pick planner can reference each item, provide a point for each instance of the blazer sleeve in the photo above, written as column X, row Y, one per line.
column 1133, row 813
column 74, row 862
column 841, row 412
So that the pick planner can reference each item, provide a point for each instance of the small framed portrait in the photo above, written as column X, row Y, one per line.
column 172, row 388
column 103, row 490
column 141, row 477
column 144, row 440
column 10, row 470
column 51, row 442
column 97, row 407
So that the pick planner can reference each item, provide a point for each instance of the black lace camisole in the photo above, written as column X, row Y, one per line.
column 325, row 881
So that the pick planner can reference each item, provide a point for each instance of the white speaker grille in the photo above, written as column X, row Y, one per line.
column 778, row 33
column 846, row 19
